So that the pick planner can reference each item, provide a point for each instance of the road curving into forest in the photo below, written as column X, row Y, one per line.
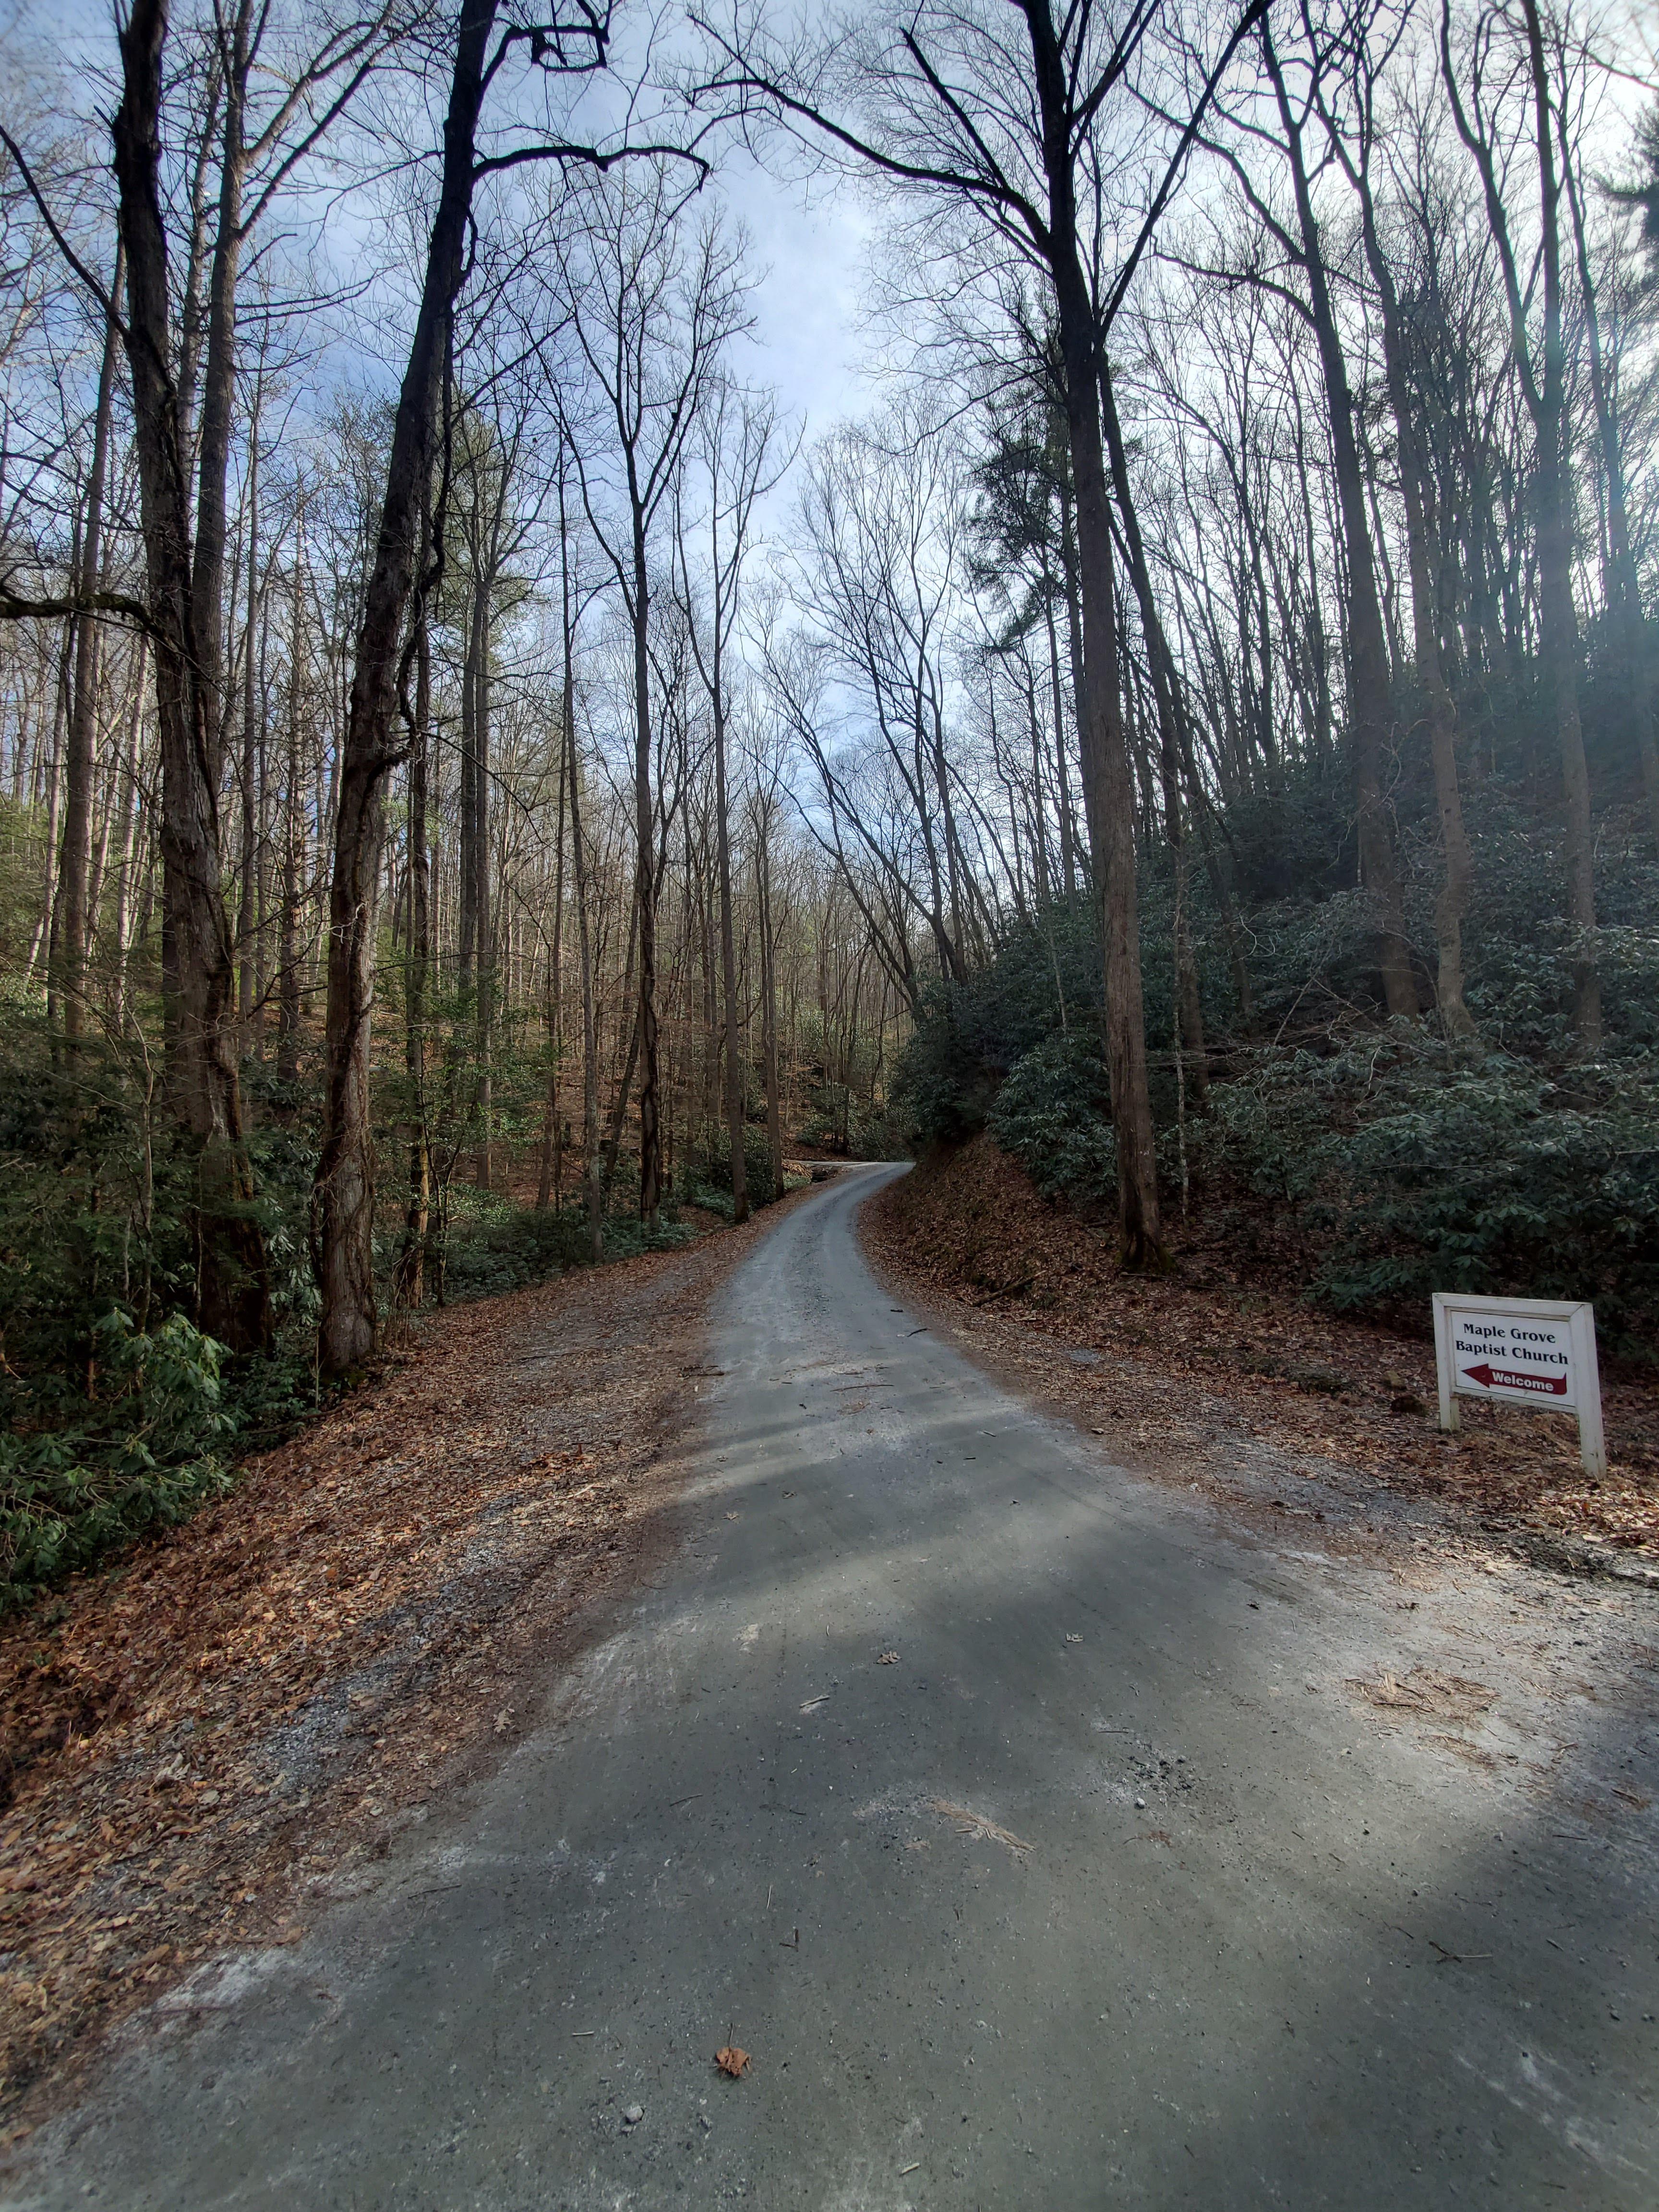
column 1017, row 1817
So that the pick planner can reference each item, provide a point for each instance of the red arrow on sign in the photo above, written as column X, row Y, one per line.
column 1550, row 1386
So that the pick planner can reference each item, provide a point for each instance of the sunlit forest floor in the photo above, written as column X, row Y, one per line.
column 222, row 1723
column 1221, row 1372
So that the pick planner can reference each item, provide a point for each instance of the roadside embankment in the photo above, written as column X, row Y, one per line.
column 1230, row 1381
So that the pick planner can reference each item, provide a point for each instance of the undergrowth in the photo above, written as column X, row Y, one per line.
column 120, row 1416
column 1402, row 1164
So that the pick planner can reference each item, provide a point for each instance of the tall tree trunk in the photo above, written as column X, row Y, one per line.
column 619, row 1108
column 1546, row 399
column 248, row 916
column 592, row 1150
column 73, row 918
column 483, row 920
column 288, row 933
column 1368, row 654
column 769, row 959
column 547, row 1190
column 1638, row 665
column 417, row 1206
column 125, row 884
column 1107, row 780
column 232, row 1283
column 345, row 1167
column 699, row 919
column 1069, row 856
column 466, row 911
column 1558, row 639
column 192, row 307
column 1044, row 889
column 734, row 1071
column 1453, row 902
column 645, row 893
column 43, row 941
column 219, row 390
column 1165, row 681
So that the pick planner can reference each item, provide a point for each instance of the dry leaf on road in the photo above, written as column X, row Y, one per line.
column 977, row 1826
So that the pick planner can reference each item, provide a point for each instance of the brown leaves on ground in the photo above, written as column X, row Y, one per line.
column 195, row 1738
column 1174, row 1370
column 1426, row 1692
column 731, row 2061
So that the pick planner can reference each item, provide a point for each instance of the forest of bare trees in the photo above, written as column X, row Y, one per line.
column 484, row 781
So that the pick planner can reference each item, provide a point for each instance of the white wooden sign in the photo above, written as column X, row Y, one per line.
column 1522, row 1351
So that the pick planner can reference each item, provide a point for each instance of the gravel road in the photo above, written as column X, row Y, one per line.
column 1046, row 1839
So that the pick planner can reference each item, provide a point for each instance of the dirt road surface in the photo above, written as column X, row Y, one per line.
column 1046, row 1837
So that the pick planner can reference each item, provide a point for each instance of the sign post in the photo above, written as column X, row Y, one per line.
column 1522, row 1351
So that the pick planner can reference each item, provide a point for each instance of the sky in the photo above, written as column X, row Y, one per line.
column 809, row 243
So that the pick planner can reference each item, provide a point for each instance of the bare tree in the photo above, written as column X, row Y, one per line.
column 651, row 301
column 273, row 110
column 232, row 1293
column 1369, row 675
column 736, row 443
column 962, row 113
column 372, row 748
column 1540, row 360
column 1352, row 141
column 881, row 516
column 71, row 913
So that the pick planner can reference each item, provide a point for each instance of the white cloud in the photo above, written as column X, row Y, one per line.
column 810, row 242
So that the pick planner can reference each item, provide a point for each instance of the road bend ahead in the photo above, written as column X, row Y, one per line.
column 1013, row 1814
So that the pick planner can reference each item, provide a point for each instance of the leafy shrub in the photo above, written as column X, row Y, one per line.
column 881, row 1134
column 1413, row 1170
column 764, row 1187
column 1502, row 1181
column 713, row 1175
column 626, row 1236
column 1053, row 1113
column 838, row 1119
column 943, row 1089
column 146, row 1454
column 492, row 1244
column 1044, row 979
column 1402, row 1165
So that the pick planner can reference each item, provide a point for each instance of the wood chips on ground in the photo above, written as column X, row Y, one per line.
column 197, row 1737
column 1175, row 1370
